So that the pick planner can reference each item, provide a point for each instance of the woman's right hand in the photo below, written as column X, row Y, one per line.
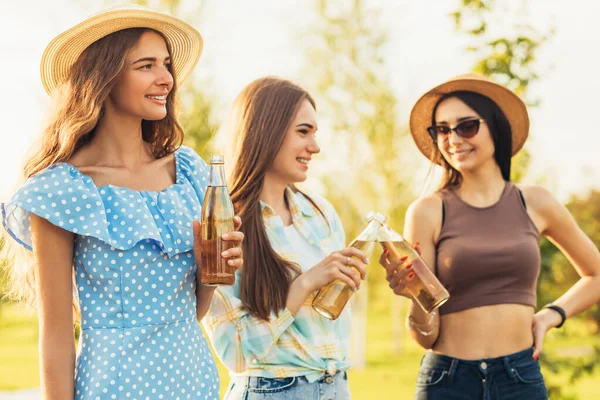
column 348, row 265
column 397, row 274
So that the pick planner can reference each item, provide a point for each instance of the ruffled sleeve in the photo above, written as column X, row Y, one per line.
column 195, row 170
column 61, row 195
column 120, row 217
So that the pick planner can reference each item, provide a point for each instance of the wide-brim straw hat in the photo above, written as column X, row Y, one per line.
column 184, row 41
column 511, row 105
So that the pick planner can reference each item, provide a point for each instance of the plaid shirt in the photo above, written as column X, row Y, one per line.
column 284, row 346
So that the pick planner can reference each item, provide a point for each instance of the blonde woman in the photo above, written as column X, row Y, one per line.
column 110, row 199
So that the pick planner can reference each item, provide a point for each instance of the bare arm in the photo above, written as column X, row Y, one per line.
column 556, row 223
column 204, row 295
column 422, row 225
column 53, row 263
column 561, row 229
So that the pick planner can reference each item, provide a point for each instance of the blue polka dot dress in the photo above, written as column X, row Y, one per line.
column 135, row 275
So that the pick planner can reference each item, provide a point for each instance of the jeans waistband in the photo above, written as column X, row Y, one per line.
column 258, row 381
column 484, row 365
column 440, row 359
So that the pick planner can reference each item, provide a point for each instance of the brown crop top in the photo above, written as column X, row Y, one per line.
column 487, row 255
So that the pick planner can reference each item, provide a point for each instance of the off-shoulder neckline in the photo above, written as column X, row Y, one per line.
column 178, row 178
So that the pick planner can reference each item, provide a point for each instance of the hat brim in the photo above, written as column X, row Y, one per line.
column 184, row 41
column 511, row 105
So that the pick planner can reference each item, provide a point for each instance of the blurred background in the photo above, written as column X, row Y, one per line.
column 366, row 62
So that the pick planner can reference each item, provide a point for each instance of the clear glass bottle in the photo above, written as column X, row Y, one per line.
column 332, row 298
column 424, row 288
column 217, row 219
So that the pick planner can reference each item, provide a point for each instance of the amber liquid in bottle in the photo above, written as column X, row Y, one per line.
column 217, row 219
column 331, row 299
column 424, row 287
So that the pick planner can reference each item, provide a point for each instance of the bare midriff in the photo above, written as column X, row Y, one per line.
column 485, row 332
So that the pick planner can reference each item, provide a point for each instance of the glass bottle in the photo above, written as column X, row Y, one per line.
column 217, row 219
column 332, row 298
column 424, row 287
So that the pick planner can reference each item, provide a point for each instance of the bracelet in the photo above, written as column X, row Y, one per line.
column 418, row 327
column 560, row 310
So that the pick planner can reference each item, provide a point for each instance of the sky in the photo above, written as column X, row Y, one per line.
column 246, row 40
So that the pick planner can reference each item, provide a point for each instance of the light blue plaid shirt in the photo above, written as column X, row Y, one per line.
column 305, row 345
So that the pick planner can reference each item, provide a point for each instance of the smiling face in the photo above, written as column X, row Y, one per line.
column 143, row 86
column 463, row 154
column 299, row 144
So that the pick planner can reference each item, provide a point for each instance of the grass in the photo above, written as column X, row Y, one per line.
column 387, row 375
column 18, row 349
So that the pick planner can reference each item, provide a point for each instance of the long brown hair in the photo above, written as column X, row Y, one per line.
column 497, row 124
column 262, row 114
column 78, row 105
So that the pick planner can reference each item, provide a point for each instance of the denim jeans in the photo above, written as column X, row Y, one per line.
column 515, row 376
column 294, row 388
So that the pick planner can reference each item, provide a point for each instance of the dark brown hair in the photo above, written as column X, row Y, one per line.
column 498, row 126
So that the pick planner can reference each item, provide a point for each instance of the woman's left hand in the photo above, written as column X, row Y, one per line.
column 543, row 321
column 233, row 255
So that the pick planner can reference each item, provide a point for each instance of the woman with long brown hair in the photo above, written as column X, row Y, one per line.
column 263, row 328
column 109, row 201
column 480, row 233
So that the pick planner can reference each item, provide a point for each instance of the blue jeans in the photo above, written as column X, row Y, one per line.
column 293, row 388
column 515, row 376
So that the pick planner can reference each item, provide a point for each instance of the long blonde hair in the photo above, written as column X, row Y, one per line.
column 78, row 108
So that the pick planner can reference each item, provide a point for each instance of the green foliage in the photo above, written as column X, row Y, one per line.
column 557, row 276
column 509, row 59
column 557, row 272
column 197, row 121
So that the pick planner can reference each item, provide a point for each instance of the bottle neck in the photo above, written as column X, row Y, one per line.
column 387, row 234
column 217, row 175
column 370, row 233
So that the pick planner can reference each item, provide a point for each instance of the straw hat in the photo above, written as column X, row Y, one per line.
column 184, row 41
column 510, row 104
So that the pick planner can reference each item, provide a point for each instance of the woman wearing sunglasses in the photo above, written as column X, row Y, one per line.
column 480, row 233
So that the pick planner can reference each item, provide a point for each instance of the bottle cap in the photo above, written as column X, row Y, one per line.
column 372, row 215
column 217, row 159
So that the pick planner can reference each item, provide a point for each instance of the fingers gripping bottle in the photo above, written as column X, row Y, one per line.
column 424, row 288
column 217, row 219
column 332, row 298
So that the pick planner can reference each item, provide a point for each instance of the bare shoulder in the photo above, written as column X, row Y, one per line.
column 538, row 198
column 423, row 222
column 427, row 208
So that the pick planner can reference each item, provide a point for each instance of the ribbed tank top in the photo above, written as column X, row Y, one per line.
column 488, row 255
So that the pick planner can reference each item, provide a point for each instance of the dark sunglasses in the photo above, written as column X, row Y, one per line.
column 465, row 129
